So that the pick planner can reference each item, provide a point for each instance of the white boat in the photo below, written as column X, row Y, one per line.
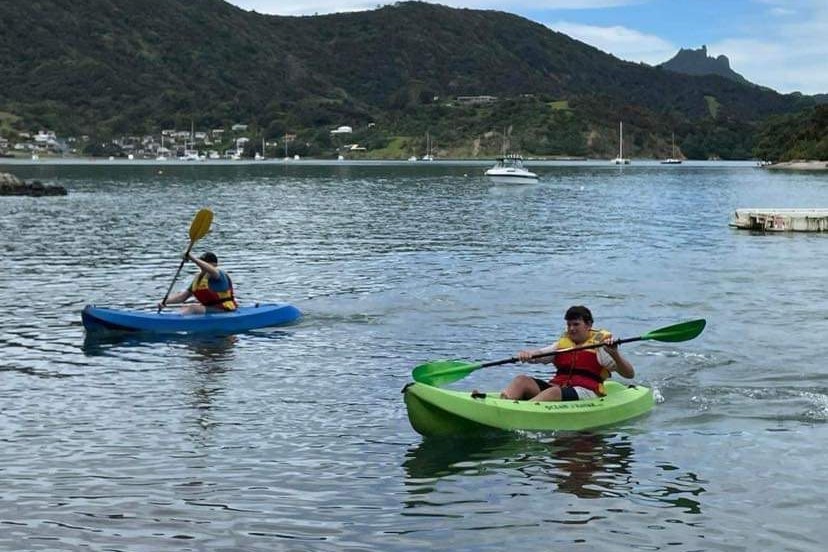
column 429, row 156
column 261, row 156
column 620, row 160
column 673, row 160
column 509, row 169
column 162, row 151
column 191, row 155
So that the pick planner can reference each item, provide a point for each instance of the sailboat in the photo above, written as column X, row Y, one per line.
column 190, row 152
column 260, row 156
column 429, row 156
column 620, row 159
column 162, row 150
column 672, row 160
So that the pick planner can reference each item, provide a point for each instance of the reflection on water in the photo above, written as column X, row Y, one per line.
column 583, row 464
column 215, row 347
column 205, row 390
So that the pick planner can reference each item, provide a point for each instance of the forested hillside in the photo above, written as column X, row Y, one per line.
column 110, row 67
column 802, row 135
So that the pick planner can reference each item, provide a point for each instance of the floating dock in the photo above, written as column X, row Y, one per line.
column 781, row 220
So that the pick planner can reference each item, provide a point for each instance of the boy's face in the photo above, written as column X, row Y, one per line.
column 578, row 330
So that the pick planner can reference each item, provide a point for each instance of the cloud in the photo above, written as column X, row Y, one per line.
column 786, row 66
column 781, row 11
column 305, row 7
column 310, row 7
column 622, row 42
column 790, row 54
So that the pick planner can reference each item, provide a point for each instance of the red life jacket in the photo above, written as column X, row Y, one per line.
column 224, row 300
column 581, row 368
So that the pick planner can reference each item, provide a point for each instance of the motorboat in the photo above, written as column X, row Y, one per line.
column 510, row 169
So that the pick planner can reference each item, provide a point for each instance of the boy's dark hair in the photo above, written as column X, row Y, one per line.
column 209, row 257
column 578, row 312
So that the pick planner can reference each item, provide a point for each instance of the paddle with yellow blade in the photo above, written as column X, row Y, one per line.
column 442, row 372
column 198, row 229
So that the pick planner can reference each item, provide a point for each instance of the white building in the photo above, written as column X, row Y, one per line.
column 45, row 136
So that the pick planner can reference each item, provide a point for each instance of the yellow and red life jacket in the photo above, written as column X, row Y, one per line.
column 581, row 368
column 224, row 300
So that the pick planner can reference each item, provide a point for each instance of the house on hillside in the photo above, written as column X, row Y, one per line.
column 475, row 100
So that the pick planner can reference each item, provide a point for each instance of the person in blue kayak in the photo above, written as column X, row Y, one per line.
column 579, row 374
column 212, row 288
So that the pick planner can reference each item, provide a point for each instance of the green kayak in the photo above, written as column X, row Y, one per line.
column 437, row 411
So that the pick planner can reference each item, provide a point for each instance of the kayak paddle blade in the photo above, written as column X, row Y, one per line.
column 201, row 224
column 443, row 372
column 684, row 331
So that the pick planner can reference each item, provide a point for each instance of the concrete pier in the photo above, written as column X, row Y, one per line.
column 781, row 220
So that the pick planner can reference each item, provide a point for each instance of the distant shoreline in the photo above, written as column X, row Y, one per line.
column 566, row 160
column 799, row 166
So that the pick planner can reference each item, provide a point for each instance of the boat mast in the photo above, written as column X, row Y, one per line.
column 621, row 140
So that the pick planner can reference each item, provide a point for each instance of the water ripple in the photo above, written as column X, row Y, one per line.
column 297, row 438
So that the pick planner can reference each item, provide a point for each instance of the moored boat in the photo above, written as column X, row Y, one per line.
column 510, row 169
column 96, row 319
column 435, row 411
column 621, row 160
column 673, row 160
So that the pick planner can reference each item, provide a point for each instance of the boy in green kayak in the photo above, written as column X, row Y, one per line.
column 580, row 374
column 212, row 287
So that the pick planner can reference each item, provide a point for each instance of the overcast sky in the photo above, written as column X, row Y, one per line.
column 777, row 43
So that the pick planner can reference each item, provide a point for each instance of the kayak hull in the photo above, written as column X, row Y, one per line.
column 97, row 319
column 434, row 411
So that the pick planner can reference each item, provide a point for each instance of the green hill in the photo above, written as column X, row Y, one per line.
column 111, row 67
column 802, row 135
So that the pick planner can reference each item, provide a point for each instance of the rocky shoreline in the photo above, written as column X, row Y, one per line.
column 10, row 185
column 798, row 166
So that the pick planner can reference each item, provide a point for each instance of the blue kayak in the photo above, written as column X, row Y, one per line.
column 242, row 319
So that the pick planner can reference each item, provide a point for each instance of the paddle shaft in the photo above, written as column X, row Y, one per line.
column 553, row 353
column 198, row 229
column 177, row 272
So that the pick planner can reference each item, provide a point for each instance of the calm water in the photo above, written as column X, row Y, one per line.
column 297, row 439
